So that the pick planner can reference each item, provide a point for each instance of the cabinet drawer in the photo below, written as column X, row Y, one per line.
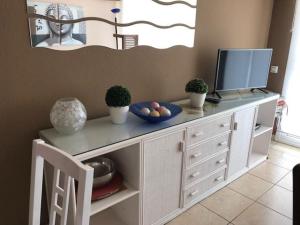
column 205, row 168
column 203, row 186
column 208, row 129
column 206, row 149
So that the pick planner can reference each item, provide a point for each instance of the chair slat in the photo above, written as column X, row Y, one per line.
column 66, row 195
column 59, row 190
column 36, row 186
column 54, row 196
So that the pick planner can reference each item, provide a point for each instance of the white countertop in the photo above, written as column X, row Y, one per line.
column 99, row 133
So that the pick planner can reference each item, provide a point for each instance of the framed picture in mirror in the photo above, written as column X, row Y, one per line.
column 116, row 24
column 48, row 34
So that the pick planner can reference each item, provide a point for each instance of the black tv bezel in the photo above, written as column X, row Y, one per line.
column 239, row 49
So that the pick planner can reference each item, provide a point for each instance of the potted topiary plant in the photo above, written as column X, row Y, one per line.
column 198, row 90
column 118, row 100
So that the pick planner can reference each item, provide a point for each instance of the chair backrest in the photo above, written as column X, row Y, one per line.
column 129, row 41
column 66, row 171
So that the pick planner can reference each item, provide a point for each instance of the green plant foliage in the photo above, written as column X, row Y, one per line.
column 117, row 96
column 196, row 86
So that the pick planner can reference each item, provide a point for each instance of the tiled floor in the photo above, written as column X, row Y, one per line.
column 261, row 197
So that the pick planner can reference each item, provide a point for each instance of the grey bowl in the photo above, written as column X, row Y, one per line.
column 104, row 170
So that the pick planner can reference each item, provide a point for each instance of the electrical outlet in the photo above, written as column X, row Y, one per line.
column 274, row 69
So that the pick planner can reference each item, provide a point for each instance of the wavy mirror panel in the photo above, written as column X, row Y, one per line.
column 122, row 24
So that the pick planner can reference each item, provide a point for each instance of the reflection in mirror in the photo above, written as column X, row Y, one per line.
column 121, row 24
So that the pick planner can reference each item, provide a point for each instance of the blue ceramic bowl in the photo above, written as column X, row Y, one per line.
column 136, row 110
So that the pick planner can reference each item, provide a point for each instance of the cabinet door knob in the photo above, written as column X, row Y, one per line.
column 221, row 161
column 195, row 174
column 225, row 125
column 198, row 134
column 197, row 155
column 194, row 193
column 219, row 178
column 222, row 143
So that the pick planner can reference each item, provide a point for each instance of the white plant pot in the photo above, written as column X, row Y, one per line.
column 197, row 100
column 119, row 115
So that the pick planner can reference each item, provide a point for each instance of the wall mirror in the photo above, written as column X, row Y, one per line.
column 116, row 24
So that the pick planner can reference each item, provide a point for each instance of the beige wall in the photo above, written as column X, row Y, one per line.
column 280, row 40
column 230, row 24
column 32, row 79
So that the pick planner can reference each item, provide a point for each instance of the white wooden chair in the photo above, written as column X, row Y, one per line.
column 71, row 169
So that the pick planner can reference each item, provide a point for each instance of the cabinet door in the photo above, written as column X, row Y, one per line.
column 241, row 140
column 163, row 160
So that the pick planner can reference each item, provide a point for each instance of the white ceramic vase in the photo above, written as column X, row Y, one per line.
column 68, row 115
column 119, row 115
column 197, row 100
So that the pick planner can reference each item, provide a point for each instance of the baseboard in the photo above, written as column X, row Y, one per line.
column 286, row 138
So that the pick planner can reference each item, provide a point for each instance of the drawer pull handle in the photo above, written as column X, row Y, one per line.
column 181, row 146
column 195, row 174
column 194, row 193
column 196, row 155
column 225, row 125
column 235, row 126
column 222, row 143
column 220, row 161
column 198, row 134
column 219, row 178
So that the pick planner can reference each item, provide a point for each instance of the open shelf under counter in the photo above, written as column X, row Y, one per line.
column 260, row 148
column 263, row 129
column 125, row 212
column 256, row 158
column 126, row 192
column 108, row 217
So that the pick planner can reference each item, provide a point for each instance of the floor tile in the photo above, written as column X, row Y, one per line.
column 282, row 159
column 285, row 146
column 227, row 203
column 287, row 182
column 198, row 215
column 179, row 220
column 278, row 199
column 269, row 172
column 250, row 186
column 257, row 214
column 287, row 149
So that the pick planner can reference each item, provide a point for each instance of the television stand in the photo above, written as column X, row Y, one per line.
column 260, row 89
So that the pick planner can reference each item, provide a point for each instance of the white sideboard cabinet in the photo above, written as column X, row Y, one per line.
column 169, row 167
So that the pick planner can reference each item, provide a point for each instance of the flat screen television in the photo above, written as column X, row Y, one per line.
column 242, row 69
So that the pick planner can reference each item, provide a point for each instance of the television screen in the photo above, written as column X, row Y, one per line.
column 242, row 69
